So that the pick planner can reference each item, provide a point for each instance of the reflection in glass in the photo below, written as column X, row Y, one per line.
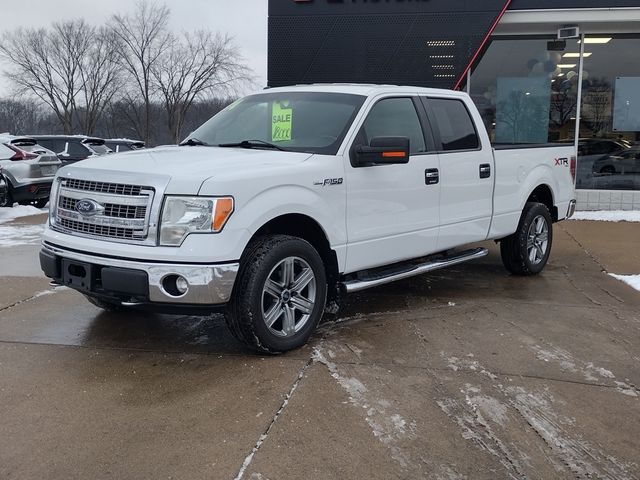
column 609, row 147
column 526, row 90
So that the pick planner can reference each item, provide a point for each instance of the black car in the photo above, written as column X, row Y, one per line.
column 123, row 144
column 73, row 148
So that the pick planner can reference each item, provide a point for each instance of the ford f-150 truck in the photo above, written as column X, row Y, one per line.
column 292, row 197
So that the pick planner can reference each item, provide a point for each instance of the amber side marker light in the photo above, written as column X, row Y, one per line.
column 394, row 154
column 223, row 210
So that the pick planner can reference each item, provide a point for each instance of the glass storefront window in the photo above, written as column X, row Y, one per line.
column 527, row 90
column 609, row 146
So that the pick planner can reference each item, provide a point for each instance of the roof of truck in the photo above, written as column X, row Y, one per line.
column 363, row 89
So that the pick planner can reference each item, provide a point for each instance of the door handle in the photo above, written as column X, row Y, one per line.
column 485, row 170
column 431, row 176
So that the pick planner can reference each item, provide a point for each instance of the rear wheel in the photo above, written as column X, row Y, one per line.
column 41, row 202
column 526, row 252
column 279, row 296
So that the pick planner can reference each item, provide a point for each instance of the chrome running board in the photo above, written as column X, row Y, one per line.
column 352, row 286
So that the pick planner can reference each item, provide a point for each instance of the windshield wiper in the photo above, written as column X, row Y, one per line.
column 194, row 142
column 253, row 144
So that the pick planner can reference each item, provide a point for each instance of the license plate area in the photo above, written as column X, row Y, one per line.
column 48, row 171
column 78, row 275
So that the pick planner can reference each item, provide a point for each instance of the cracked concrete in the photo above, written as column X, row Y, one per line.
column 465, row 373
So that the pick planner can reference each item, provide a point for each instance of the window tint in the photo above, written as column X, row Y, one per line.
column 457, row 131
column 47, row 143
column 76, row 150
column 394, row 117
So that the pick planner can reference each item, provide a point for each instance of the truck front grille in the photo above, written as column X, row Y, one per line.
column 102, row 187
column 116, row 211
column 110, row 209
column 99, row 230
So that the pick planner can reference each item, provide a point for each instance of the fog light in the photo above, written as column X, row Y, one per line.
column 182, row 285
column 175, row 285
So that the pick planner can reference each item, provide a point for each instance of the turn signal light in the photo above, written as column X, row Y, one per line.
column 222, row 212
column 394, row 154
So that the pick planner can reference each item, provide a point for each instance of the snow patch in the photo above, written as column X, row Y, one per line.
column 8, row 214
column 480, row 416
column 386, row 426
column 631, row 280
column 627, row 389
column 609, row 216
column 11, row 236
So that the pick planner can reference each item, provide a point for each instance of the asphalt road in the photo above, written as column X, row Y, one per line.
column 464, row 373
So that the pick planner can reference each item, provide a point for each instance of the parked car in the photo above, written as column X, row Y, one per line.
column 276, row 207
column 589, row 151
column 28, row 169
column 624, row 162
column 3, row 189
column 73, row 148
column 123, row 144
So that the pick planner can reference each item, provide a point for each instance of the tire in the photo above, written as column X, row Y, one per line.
column 267, row 311
column 104, row 305
column 8, row 199
column 40, row 203
column 526, row 252
column 608, row 169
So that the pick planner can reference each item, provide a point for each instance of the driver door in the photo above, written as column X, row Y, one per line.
column 393, row 210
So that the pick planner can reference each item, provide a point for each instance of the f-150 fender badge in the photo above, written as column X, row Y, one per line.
column 329, row 182
column 562, row 162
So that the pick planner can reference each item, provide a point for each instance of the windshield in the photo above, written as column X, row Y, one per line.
column 298, row 121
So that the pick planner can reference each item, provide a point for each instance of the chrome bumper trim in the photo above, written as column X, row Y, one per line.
column 572, row 209
column 208, row 284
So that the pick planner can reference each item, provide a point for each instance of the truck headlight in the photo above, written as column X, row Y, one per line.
column 184, row 215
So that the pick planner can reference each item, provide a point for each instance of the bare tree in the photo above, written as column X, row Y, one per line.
column 47, row 64
column 193, row 66
column 19, row 117
column 143, row 37
column 100, row 75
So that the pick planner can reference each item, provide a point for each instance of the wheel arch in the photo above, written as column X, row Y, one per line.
column 543, row 193
column 304, row 227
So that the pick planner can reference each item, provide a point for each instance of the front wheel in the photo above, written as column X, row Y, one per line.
column 279, row 296
column 526, row 252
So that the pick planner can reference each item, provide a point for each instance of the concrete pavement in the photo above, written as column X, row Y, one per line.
column 464, row 373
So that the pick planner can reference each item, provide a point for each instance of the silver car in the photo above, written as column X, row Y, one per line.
column 28, row 169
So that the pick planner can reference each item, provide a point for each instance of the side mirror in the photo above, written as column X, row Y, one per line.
column 383, row 151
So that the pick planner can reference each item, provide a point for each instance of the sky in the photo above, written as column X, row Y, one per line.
column 244, row 20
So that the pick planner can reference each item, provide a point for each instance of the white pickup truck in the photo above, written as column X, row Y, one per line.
column 291, row 197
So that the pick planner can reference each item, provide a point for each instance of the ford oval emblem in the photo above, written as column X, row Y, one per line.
column 88, row 207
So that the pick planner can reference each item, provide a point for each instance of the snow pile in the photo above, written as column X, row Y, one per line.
column 7, row 214
column 11, row 236
column 609, row 216
column 631, row 280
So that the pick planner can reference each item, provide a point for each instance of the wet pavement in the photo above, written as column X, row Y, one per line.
column 464, row 373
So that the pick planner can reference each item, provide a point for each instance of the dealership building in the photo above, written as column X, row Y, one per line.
column 540, row 71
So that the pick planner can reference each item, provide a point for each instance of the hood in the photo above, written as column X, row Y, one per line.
column 189, row 167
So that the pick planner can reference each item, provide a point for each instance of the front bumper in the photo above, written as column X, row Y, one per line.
column 135, row 282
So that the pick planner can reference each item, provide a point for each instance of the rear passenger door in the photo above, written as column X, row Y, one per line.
column 467, row 173
column 392, row 212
